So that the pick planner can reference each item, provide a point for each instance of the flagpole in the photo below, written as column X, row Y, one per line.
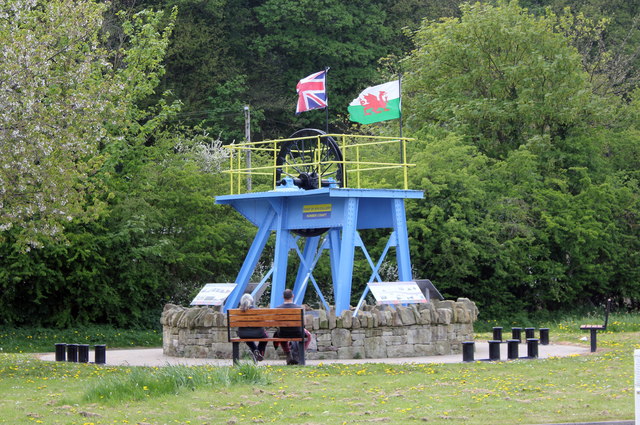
column 326, row 93
column 402, row 158
column 400, row 96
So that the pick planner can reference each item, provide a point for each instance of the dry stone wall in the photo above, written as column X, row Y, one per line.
column 433, row 328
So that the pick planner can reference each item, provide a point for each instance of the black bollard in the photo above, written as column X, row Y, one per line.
column 516, row 333
column 468, row 350
column 497, row 334
column 61, row 352
column 532, row 348
column 544, row 336
column 530, row 333
column 494, row 350
column 101, row 354
column 512, row 349
column 72, row 352
column 83, row 353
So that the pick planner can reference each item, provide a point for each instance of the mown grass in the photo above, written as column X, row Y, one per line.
column 618, row 322
column 596, row 387
column 40, row 340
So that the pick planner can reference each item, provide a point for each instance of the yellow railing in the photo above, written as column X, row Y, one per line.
column 370, row 162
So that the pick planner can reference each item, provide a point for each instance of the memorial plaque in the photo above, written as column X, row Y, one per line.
column 397, row 292
column 429, row 290
column 213, row 294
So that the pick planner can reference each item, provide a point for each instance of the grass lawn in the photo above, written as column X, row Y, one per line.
column 597, row 387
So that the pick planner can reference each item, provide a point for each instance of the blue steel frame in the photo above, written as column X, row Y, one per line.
column 344, row 212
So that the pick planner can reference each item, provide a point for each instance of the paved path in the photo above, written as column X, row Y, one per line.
column 155, row 357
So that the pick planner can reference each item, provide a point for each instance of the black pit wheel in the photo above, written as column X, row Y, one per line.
column 311, row 158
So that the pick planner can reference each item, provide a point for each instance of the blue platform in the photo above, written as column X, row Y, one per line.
column 343, row 212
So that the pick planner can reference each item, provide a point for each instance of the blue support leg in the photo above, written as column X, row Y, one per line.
column 280, row 260
column 402, row 237
column 347, row 248
column 334, row 256
column 308, row 255
column 251, row 260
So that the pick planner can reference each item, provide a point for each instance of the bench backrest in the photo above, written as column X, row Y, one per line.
column 265, row 317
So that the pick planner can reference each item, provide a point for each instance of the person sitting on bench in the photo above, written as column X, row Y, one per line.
column 246, row 302
column 290, row 332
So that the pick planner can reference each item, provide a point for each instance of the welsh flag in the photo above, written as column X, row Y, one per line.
column 377, row 103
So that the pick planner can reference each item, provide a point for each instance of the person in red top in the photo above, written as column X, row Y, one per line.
column 291, row 332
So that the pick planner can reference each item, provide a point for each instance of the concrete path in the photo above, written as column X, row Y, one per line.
column 155, row 357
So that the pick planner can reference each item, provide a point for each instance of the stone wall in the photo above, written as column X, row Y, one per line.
column 433, row 328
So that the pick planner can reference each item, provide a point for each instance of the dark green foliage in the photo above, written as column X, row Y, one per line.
column 43, row 340
column 539, row 218
column 528, row 150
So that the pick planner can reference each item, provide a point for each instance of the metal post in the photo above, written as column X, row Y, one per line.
column 468, row 348
column 61, row 352
column 594, row 340
column 532, row 348
column 235, row 352
column 83, row 353
column 72, row 352
column 544, row 336
column 516, row 333
column 530, row 332
column 301, row 359
column 100, row 354
column 497, row 333
column 494, row 350
column 636, row 380
column 512, row 349
column 247, row 135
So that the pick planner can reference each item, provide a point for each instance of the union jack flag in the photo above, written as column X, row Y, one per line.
column 312, row 92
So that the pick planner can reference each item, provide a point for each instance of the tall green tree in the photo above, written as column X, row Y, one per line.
column 498, row 75
column 61, row 91
column 524, row 185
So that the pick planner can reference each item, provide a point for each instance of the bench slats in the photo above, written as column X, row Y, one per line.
column 276, row 317
column 266, row 318
column 265, row 324
column 265, row 339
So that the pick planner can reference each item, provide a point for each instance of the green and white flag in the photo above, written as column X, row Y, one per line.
column 377, row 103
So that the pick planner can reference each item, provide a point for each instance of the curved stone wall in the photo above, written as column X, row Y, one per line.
column 433, row 328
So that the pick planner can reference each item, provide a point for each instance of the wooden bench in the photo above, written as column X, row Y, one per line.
column 595, row 328
column 267, row 318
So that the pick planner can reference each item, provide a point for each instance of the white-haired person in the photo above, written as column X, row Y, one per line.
column 257, row 351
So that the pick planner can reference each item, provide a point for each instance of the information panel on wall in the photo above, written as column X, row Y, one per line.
column 397, row 292
column 213, row 294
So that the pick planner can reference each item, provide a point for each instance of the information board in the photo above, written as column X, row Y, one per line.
column 397, row 292
column 213, row 294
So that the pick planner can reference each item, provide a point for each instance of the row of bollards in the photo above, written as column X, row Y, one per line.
column 513, row 348
column 468, row 347
column 516, row 333
column 79, row 353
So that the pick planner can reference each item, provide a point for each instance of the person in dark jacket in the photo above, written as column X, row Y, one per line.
column 246, row 303
column 291, row 332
